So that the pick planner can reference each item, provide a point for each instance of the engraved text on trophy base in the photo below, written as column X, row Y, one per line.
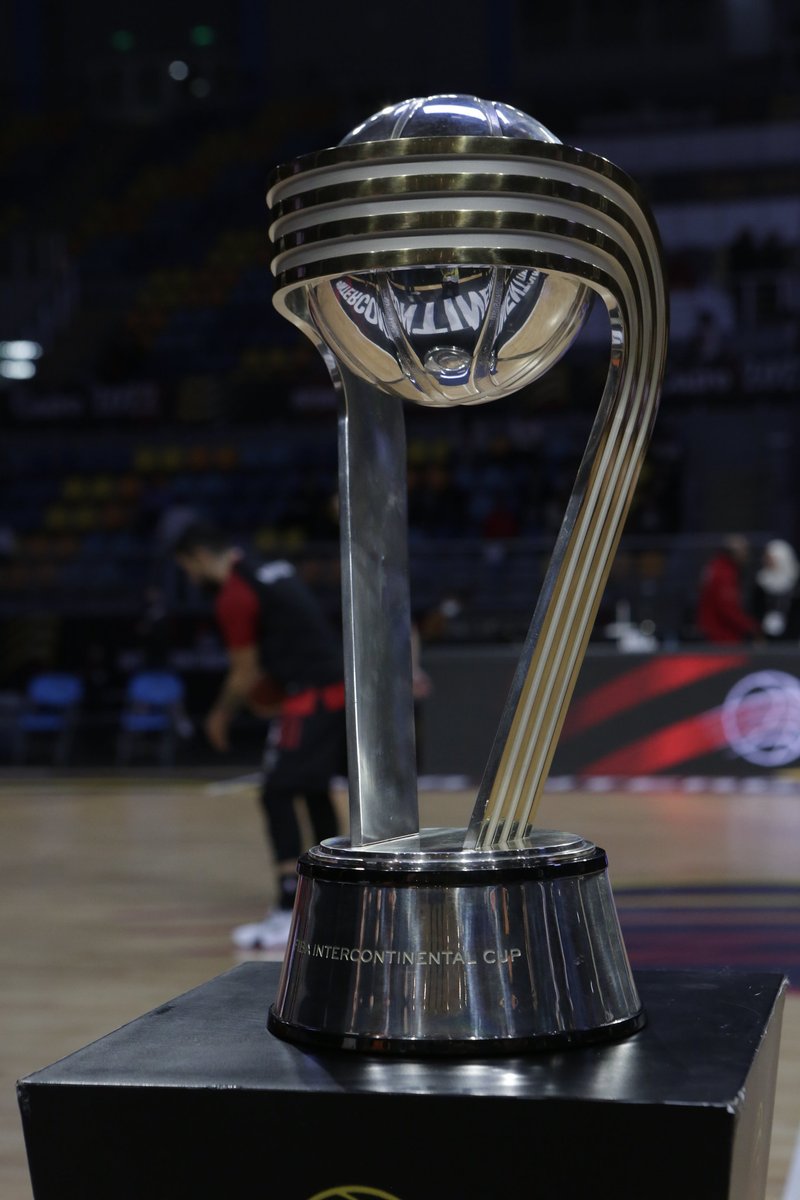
column 406, row 958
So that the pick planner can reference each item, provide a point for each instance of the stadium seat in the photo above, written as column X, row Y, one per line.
column 149, row 719
column 49, row 713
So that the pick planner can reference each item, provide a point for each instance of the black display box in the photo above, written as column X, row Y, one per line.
column 197, row 1100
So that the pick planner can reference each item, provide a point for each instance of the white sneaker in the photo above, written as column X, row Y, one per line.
column 270, row 934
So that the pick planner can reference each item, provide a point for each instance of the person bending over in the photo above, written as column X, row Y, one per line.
column 276, row 634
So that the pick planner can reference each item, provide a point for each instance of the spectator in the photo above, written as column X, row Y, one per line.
column 776, row 597
column 152, row 630
column 721, row 616
column 707, row 344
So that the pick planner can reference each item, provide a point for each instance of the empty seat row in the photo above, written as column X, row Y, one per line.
column 149, row 720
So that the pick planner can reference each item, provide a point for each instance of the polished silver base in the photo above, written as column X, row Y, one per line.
column 417, row 946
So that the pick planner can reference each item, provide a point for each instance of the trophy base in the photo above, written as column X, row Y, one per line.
column 416, row 946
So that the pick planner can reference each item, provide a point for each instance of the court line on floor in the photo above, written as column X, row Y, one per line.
column 644, row 785
column 223, row 787
column 425, row 783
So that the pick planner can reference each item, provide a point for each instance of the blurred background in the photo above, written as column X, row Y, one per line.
column 145, row 377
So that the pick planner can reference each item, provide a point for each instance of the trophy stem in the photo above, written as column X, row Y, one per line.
column 376, row 613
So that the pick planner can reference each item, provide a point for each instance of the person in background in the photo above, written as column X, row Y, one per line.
column 776, row 596
column 421, row 688
column 153, row 638
column 721, row 617
column 284, row 657
column 152, row 630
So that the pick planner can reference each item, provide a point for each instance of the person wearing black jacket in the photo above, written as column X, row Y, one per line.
column 283, row 656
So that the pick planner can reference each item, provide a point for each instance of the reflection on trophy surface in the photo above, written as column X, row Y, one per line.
column 447, row 252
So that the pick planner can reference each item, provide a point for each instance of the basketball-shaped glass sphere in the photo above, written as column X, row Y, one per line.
column 459, row 331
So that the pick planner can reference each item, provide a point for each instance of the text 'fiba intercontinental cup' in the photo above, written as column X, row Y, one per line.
column 446, row 252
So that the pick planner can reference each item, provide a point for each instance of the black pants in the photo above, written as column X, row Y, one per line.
column 306, row 748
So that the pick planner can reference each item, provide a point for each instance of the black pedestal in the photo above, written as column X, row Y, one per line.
column 197, row 1100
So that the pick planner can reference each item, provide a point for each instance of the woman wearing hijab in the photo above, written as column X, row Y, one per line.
column 776, row 602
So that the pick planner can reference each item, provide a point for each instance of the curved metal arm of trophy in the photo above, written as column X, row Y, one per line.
column 555, row 646
column 447, row 270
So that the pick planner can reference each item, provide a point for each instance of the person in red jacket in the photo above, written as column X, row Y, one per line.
column 282, row 654
column 721, row 616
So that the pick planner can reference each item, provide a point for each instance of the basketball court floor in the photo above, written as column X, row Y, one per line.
column 119, row 893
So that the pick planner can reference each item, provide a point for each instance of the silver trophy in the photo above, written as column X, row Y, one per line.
column 446, row 252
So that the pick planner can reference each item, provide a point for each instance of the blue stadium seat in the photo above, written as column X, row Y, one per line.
column 153, row 705
column 50, row 713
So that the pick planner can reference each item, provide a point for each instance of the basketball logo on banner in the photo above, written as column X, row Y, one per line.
column 761, row 718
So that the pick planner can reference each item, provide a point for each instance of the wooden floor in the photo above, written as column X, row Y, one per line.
column 117, row 894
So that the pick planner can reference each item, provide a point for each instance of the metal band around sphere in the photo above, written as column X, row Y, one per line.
column 496, row 202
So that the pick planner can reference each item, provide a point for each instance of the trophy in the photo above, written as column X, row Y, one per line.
column 447, row 251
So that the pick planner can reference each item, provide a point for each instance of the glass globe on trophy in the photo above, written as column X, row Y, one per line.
column 447, row 252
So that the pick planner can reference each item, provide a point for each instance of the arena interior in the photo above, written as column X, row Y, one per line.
column 147, row 381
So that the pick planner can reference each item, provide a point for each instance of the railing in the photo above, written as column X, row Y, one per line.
column 461, row 590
